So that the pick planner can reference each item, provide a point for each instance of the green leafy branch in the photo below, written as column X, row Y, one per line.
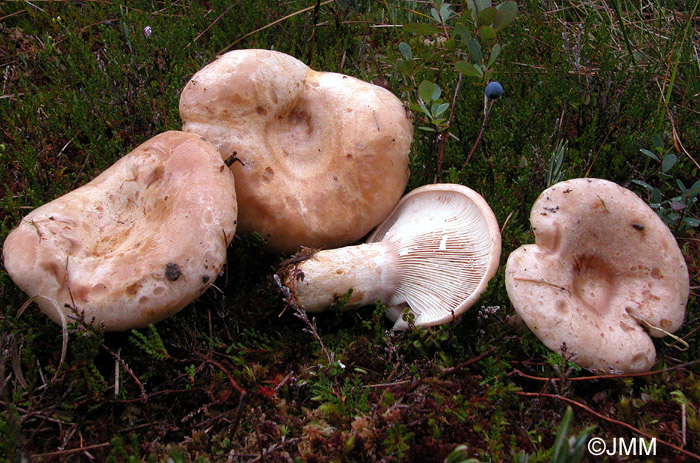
column 465, row 42
column 678, row 208
column 151, row 343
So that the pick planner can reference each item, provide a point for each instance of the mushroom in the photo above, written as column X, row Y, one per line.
column 604, row 269
column 136, row 244
column 434, row 255
column 323, row 157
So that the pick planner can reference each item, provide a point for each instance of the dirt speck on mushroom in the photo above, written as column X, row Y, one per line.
column 172, row 271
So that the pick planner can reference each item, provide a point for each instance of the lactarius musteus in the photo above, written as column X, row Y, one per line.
column 433, row 255
column 604, row 274
column 136, row 244
column 322, row 158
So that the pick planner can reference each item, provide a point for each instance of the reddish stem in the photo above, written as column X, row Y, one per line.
column 488, row 104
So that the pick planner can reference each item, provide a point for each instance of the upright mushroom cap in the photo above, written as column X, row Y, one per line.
column 323, row 156
column 604, row 268
column 434, row 254
column 137, row 243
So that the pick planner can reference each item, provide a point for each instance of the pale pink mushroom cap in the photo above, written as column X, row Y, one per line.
column 136, row 244
column 604, row 268
column 323, row 156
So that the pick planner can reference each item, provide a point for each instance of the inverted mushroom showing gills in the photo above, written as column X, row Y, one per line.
column 434, row 255
column 322, row 158
column 137, row 243
column 604, row 270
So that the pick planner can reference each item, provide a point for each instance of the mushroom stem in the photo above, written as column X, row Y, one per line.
column 369, row 270
column 433, row 255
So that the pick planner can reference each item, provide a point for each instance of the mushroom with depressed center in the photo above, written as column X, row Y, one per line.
column 434, row 254
column 603, row 270
column 134, row 245
column 323, row 156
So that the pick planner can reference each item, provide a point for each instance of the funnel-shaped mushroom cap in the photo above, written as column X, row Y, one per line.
column 323, row 156
column 448, row 245
column 137, row 243
column 603, row 268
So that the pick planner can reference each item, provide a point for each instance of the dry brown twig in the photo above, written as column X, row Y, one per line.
column 71, row 451
column 209, row 26
column 273, row 23
column 300, row 313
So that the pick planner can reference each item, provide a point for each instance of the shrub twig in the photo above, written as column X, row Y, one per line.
column 445, row 134
column 488, row 104
column 596, row 377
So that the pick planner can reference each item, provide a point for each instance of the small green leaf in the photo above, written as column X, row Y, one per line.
column 426, row 29
column 445, row 11
column 650, row 154
column 424, row 109
column 487, row 34
column 691, row 221
column 643, row 184
column 440, row 110
column 560, row 449
column 460, row 455
column 462, row 32
column 474, row 48
column 436, row 92
column 425, row 91
column 507, row 11
column 450, row 44
column 476, row 6
column 579, row 446
column 427, row 129
column 668, row 162
column 461, row 66
column 495, row 51
column 656, row 196
column 405, row 50
column 486, row 16
column 695, row 189
column 468, row 69
column 657, row 142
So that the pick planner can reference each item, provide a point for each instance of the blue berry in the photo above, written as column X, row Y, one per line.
column 493, row 90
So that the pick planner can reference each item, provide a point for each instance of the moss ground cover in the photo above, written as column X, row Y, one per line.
column 235, row 377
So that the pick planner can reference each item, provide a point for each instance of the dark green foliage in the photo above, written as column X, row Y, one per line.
column 234, row 376
column 568, row 450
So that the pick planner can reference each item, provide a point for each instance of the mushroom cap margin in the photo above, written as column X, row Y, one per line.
column 602, row 261
column 137, row 243
column 324, row 156
column 443, row 269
